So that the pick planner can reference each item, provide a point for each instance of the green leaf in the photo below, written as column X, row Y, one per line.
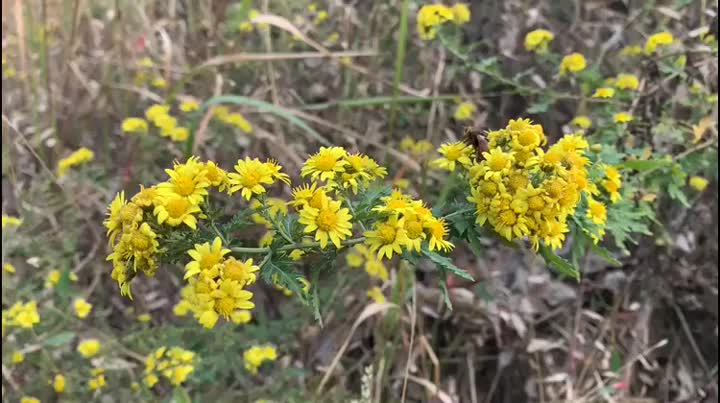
column 645, row 165
column 616, row 362
column 284, row 275
column 556, row 262
column 541, row 106
column 180, row 395
column 444, row 290
column 605, row 254
column 447, row 264
column 59, row 339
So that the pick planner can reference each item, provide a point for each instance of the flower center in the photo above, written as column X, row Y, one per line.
column 536, row 203
column 508, row 218
column 528, row 138
column 225, row 306
column 555, row 190
column 208, row 261
column 185, row 185
column 497, row 162
column 251, row 178
column 129, row 212
column 326, row 163
column 453, row 154
column 316, row 200
column 387, row 233
column 140, row 242
column 488, row 188
column 177, row 207
column 414, row 229
column 518, row 181
column 326, row 220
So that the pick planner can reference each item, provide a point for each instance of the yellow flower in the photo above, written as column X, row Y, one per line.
column 430, row 17
column 215, row 175
column 97, row 382
column 18, row 357
column 134, row 125
column 10, row 221
column 553, row 233
column 145, row 62
column 376, row 295
column 454, row 153
column 179, row 133
column 437, row 231
column 242, row 272
column 241, row 317
column 360, row 171
column 9, row 268
column 321, row 16
column 656, row 40
column 387, row 237
column 631, row 50
column 29, row 399
column 237, row 120
column 78, row 157
column 325, row 164
column 189, row 105
column 627, row 82
column 613, row 183
column 464, row 111
column 255, row 356
column 186, row 180
column 175, row 210
column 159, row 82
column 604, row 92
column 397, row 202
column 573, row 63
column 166, row 124
column 251, row 178
column 145, row 197
column 153, row 112
column 374, row 267
column 22, row 315
column 537, row 41
column 461, row 13
column 82, row 308
column 596, row 212
column 329, row 221
column 89, row 347
column 698, row 183
column 59, row 383
column 581, row 121
column 296, row 254
column 205, row 257
column 623, row 117
column 497, row 164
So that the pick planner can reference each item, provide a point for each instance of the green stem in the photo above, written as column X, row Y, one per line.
column 309, row 245
column 458, row 212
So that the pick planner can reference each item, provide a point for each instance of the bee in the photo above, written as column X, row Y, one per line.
column 474, row 137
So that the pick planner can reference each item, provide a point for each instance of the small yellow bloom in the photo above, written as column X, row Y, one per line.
column 698, row 183
column 581, row 121
column 623, row 117
column 59, row 383
column 464, row 111
column 9, row 268
column 89, row 347
column 604, row 92
column 658, row 40
column 537, row 41
column 321, row 16
column 18, row 357
column 156, row 110
column 82, row 308
column 189, row 105
column 573, row 63
column 179, row 133
column 296, row 254
column 376, row 295
column 631, row 50
column 134, row 125
column 241, row 317
column 596, row 212
column 29, row 399
column 430, row 17
column 159, row 82
column 627, row 82
column 78, row 157
column 454, row 154
column 461, row 13
column 145, row 317
column 10, row 221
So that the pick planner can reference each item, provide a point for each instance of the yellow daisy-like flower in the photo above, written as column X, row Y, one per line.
column 153, row 112
column 325, row 164
column 538, row 40
column 166, row 124
column 175, row 210
column 396, row 203
column 414, row 228
column 8, row 268
column 17, row 357
column 627, row 82
column 596, row 212
column 329, row 221
column 134, row 125
column 461, row 13
column 387, row 237
column 437, row 230
column 59, row 383
column 604, row 92
column 631, row 50
column 121, row 215
column 82, row 308
column 698, row 183
column 573, row 63
column 229, row 297
column 430, row 17
column 241, row 317
column 464, row 111
column 78, row 157
column 29, row 399
column 179, row 133
column 23, row 315
column 145, row 197
column 206, row 257
column 239, row 121
column 251, row 178
column 10, row 221
column 242, row 272
column 376, row 295
column 659, row 39
column 186, row 180
column 159, row 82
column 255, row 356
column 581, row 121
column 453, row 154
column 89, row 347
column 553, row 233
column 276, row 171
column 623, row 117
column 189, row 105
column 497, row 164
column 374, row 267
column 215, row 175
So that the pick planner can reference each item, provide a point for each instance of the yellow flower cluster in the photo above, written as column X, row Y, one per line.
column 407, row 224
column 522, row 190
column 612, row 183
column 235, row 119
column 97, row 379
column 659, row 39
column 431, row 16
column 627, row 82
column 418, row 149
column 574, row 62
column 255, row 356
column 23, row 315
column 174, row 363
column 464, row 111
column 454, row 155
column 604, row 92
column 538, row 40
column 78, row 157
column 159, row 115
column 360, row 255
column 376, row 294
column 216, row 285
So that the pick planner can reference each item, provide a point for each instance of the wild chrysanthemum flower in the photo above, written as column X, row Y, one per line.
column 437, row 231
column 360, row 171
column 537, row 41
column 325, row 164
column 464, row 111
column 497, row 164
column 242, row 272
column 276, row 171
column 145, row 197
column 159, row 82
column 97, row 380
column 29, row 399
column 155, row 111
column 59, row 383
column 205, row 257
column 573, row 63
column 329, row 221
column 658, row 40
column 627, row 82
column 596, row 212
column 78, row 157
column 179, row 134
column 461, row 13
column 255, row 356
column 134, row 125
column 604, row 92
column 251, row 178
column 216, row 176
column 8, row 268
column 23, row 315
column 189, row 105
column 174, row 363
column 89, row 347
column 631, row 50
column 396, row 203
column 139, row 243
column 414, row 229
column 10, row 221
column 186, row 180
column 430, row 17
column 237, row 120
column 175, row 210
column 121, row 215
column 241, row 317
column 376, row 295
column 82, row 308
column 623, row 117
column 553, row 233
column 698, row 183
column 374, row 267
column 581, row 121
column 613, row 183
column 17, row 357
column 453, row 154
column 229, row 297
column 387, row 237
column 166, row 124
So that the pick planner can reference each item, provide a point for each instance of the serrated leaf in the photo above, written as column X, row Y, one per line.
column 556, row 262
column 280, row 272
column 447, row 264
column 59, row 339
